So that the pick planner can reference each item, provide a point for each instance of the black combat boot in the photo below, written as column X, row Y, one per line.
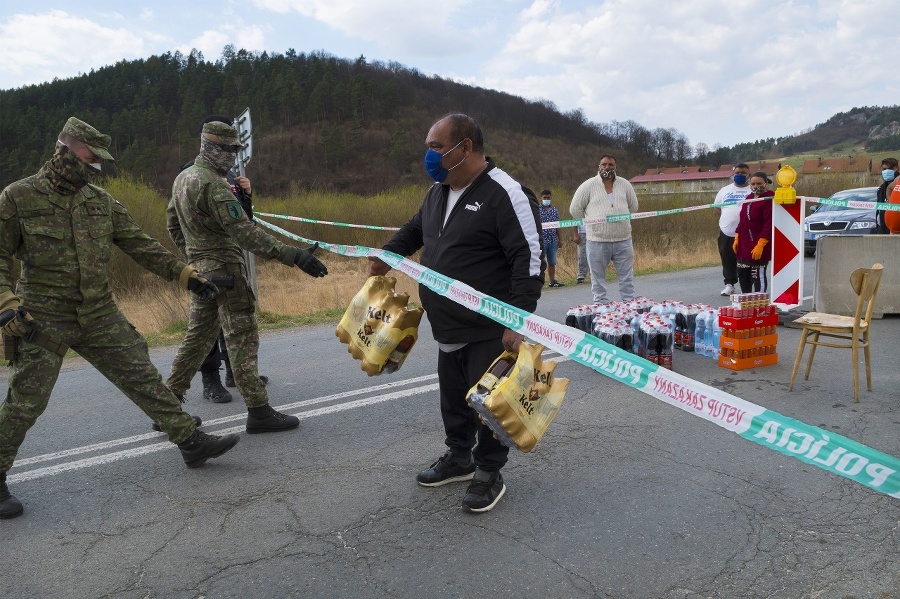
column 213, row 389
column 10, row 507
column 201, row 447
column 265, row 419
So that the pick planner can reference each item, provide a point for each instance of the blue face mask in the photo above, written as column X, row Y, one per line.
column 545, row 202
column 888, row 174
column 740, row 179
column 433, row 163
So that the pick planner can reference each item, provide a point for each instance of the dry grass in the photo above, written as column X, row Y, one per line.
column 160, row 310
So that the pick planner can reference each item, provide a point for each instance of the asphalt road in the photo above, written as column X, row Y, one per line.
column 624, row 497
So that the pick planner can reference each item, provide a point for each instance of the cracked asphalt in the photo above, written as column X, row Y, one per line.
column 625, row 497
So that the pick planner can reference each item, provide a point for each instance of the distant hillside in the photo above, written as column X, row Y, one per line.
column 320, row 122
column 868, row 129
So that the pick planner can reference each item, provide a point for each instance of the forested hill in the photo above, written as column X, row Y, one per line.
column 319, row 122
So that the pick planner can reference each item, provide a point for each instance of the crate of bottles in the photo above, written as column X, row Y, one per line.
column 748, row 338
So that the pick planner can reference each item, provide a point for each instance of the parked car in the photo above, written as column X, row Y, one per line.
column 837, row 220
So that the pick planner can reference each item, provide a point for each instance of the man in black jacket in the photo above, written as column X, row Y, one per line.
column 479, row 226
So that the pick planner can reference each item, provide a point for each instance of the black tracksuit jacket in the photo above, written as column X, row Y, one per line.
column 492, row 241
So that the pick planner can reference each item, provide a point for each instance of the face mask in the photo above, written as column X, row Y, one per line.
column 433, row 163
column 760, row 189
column 888, row 174
column 740, row 179
column 545, row 202
column 607, row 173
column 70, row 171
column 221, row 157
column 96, row 165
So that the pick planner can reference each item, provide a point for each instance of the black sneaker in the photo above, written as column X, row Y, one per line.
column 201, row 447
column 10, row 507
column 557, row 284
column 579, row 280
column 229, row 379
column 266, row 420
column 485, row 491
column 445, row 470
column 197, row 422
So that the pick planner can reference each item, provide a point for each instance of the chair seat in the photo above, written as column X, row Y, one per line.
column 824, row 321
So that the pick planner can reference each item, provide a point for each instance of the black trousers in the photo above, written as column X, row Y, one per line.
column 754, row 278
column 458, row 372
column 729, row 260
column 218, row 353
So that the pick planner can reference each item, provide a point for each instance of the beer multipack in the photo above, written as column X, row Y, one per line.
column 379, row 327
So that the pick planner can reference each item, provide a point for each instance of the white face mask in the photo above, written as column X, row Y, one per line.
column 96, row 165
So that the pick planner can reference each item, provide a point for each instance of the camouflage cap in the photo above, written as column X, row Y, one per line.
column 97, row 142
column 226, row 133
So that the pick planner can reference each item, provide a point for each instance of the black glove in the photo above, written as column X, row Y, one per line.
column 203, row 289
column 308, row 263
column 17, row 323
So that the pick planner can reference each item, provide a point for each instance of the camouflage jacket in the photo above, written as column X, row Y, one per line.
column 209, row 226
column 64, row 244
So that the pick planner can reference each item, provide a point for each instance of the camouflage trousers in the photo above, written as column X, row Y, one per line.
column 234, row 311
column 109, row 343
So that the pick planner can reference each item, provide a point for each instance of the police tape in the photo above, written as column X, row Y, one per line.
column 614, row 218
column 853, row 203
column 829, row 451
column 325, row 222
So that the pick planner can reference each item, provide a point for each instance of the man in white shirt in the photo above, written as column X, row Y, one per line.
column 602, row 196
column 730, row 197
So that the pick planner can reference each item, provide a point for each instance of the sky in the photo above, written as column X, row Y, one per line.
column 718, row 72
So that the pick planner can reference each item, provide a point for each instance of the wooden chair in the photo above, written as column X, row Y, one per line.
column 852, row 330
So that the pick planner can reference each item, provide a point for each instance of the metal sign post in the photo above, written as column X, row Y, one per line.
column 245, row 137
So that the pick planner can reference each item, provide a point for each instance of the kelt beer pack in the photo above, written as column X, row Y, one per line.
column 378, row 327
column 518, row 397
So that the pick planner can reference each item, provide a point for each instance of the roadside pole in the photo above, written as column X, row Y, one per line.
column 245, row 136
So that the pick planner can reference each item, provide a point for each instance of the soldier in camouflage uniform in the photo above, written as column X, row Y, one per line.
column 208, row 224
column 62, row 230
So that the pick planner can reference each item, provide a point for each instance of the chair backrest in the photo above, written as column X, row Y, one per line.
column 865, row 282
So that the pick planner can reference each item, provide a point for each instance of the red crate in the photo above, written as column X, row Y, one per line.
column 728, row 322
column 749, row 343
column 745, row 363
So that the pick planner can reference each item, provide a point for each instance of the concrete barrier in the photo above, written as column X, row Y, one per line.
column 839, row 255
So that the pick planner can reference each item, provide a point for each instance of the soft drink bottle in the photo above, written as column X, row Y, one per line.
column 626, row 342
column 666, row 345
column 636, row 333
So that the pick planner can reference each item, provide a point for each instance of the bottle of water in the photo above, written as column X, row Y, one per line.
column 717, row 336
column 709, row 348
column 700, row 334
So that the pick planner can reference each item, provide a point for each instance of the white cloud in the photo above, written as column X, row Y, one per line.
column 40, row 47
column 395, row 25
column 714, row 71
